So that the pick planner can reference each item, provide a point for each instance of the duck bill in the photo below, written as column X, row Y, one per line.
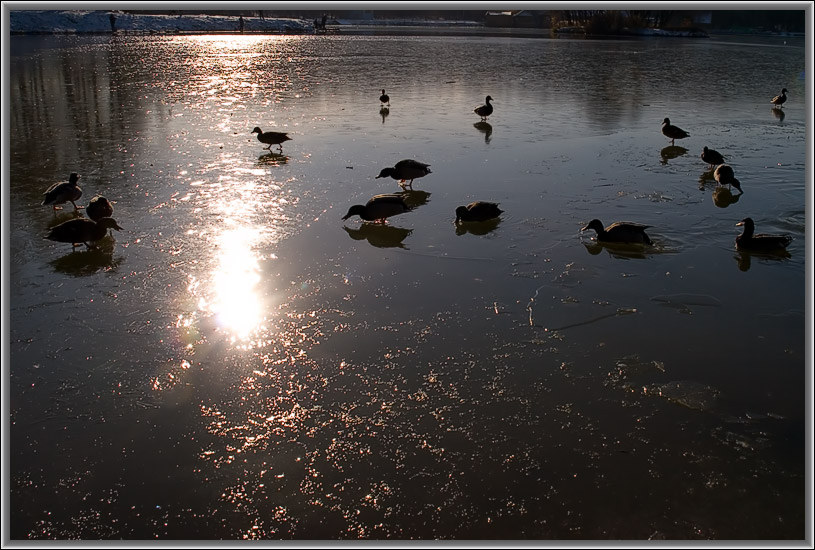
column 739, row 224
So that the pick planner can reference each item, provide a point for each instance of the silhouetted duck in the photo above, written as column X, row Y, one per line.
column 748, row 241
column 779, row 100
column 378, row 208
column 478, row 211
column 619, row 232
column 712, row 157
column 385, row 98
column 484, row 110
column 724, row 176
column 407, row 169
column 271, row 138
column 60, row 193
column 99, row 207
column 82, row 231
column 673, row 132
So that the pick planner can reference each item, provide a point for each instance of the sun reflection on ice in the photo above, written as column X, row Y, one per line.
column 236, row 304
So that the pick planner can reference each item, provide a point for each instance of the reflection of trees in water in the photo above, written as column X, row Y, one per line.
column 83, row 96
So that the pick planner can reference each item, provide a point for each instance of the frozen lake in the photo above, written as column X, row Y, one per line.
column 239, row 362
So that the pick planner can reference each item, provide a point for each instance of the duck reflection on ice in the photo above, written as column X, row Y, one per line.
column 744, row 258
column 671, row 152
column 272, row 159
column 486, row 128
column 414, row 198
column 477, row 228
column 384, row 112
column 380, row 235
column 724, row 197
column 87, row 262
column 63, row 216
column 779, row 114
column 706, row 178
column 624, row 251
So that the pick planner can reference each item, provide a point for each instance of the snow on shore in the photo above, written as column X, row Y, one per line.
column 99, row 21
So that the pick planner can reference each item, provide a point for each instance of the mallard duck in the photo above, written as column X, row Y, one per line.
column 779, row 100
column 673, row 132
column 271, row 138
column 748, row 241
column 724, row 176
column 99, row 207
column 81, row 231
column 478, row 211
column 484, row 110
column 385, row 98
column 712, row 157
column 378, row 208
column 60, row 193
column 619, row 232
column 407, row 169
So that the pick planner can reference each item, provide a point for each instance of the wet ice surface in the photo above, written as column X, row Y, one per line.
column 240, row 363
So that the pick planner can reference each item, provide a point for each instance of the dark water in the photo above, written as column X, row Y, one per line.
column 238, row 363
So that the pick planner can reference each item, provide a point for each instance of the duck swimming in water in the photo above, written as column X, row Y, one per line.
column 478, row 211
column 748, row 241
column 379, row 208
column 673, row 132
column 271, row 138
column 404, row 170
column 60, row 193
column 81, row 231
column 619, row 232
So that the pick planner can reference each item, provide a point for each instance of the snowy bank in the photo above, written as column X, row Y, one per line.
column 102, row 21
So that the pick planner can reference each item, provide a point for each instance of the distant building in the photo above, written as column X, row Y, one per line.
column 520, row 19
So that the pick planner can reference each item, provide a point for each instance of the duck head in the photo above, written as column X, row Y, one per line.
column 109, row 223
column 356, row 210
column 73, row 178
column 748, row 225
column 256, row 130
column 387, row 172
column 595, row 224
column 736, row 183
